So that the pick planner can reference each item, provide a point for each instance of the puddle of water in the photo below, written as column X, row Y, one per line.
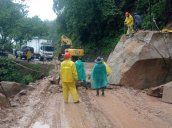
column 40, row 125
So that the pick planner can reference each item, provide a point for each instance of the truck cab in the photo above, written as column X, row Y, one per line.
column 43, row 48
column 46, row 51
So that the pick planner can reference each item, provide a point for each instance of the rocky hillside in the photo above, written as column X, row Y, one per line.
column 142, row 61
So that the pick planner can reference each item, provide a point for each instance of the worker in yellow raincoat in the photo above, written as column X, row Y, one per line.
column 28, row 55
column 108, row 69
column 129, row 22
column 68, row 75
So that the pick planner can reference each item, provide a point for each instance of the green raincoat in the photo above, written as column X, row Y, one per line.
column 80, row 67
column 99, row 76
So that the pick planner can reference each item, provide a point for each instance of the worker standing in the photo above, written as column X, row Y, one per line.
column 129, row 22
column 16, row 55
column 68, row 75
column 28, row 55
column 80, row 67
column 99, row 76
column 137, row 22
column 108, row 68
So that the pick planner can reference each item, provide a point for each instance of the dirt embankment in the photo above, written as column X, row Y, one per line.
column 119, row 108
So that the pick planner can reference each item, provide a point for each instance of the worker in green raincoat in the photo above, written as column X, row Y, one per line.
column 80, row 67
column 99, row 76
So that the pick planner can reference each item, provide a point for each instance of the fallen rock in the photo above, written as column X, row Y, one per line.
column 23, row 92
column 141, row 61
column 156, row 91
column 167, row 93
column 30, row 87
column 11, row 88
column 3, row 101
column 54, row 80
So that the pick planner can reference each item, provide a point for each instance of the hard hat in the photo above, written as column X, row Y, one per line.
column 126, row 13
column 67, row 55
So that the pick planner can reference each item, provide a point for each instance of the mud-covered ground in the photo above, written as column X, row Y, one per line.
column 121, row 107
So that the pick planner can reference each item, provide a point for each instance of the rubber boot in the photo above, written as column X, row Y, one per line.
column 85, row 84
column 97, row 92
column 103, row 92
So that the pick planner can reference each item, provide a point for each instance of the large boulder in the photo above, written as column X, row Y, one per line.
column 10, row 88
column 167, row 93
column 142, row 61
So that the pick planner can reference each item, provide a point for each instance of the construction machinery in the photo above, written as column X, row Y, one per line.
column 23, row 51
column 43, row 48
column 165, row 30
column 66, row 45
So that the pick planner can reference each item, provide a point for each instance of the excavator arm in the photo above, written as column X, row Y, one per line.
column 65, row 40
column 66, row 45
column 166, row 30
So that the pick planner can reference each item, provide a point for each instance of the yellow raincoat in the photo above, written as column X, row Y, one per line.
column 28, row 55
column 129, row 22
column 68, row 75
column 108, row 69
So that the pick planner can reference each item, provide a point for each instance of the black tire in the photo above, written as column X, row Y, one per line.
column 41, row 58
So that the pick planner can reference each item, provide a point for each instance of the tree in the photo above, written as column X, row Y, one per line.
column 29, row 28
column 10, row 16
column 86, row 20
column 98, row 23
column 16, row 26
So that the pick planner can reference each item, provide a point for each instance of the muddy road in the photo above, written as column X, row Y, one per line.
column 121, row 107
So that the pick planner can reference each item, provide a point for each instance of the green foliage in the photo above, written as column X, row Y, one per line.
column 99, row 23
column 27, row 79
column 10, row 15
column 16, row 26
column 88, row 21
column 9, row 71
column 154, row 9
column 52, row 31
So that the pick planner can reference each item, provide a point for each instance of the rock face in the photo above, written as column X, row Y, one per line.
column 142, row 61
column 167, row 93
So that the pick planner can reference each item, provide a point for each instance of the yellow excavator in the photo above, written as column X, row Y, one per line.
column 66, row 45
column 165, row 30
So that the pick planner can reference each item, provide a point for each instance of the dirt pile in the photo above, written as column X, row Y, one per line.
column 10, row 88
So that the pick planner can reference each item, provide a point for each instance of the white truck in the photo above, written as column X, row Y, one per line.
column 43, row 49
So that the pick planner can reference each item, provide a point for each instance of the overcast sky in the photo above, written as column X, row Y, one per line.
column 41, row 8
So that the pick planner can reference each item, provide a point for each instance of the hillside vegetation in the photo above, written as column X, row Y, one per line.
column 98, row 24
column 22, row 72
